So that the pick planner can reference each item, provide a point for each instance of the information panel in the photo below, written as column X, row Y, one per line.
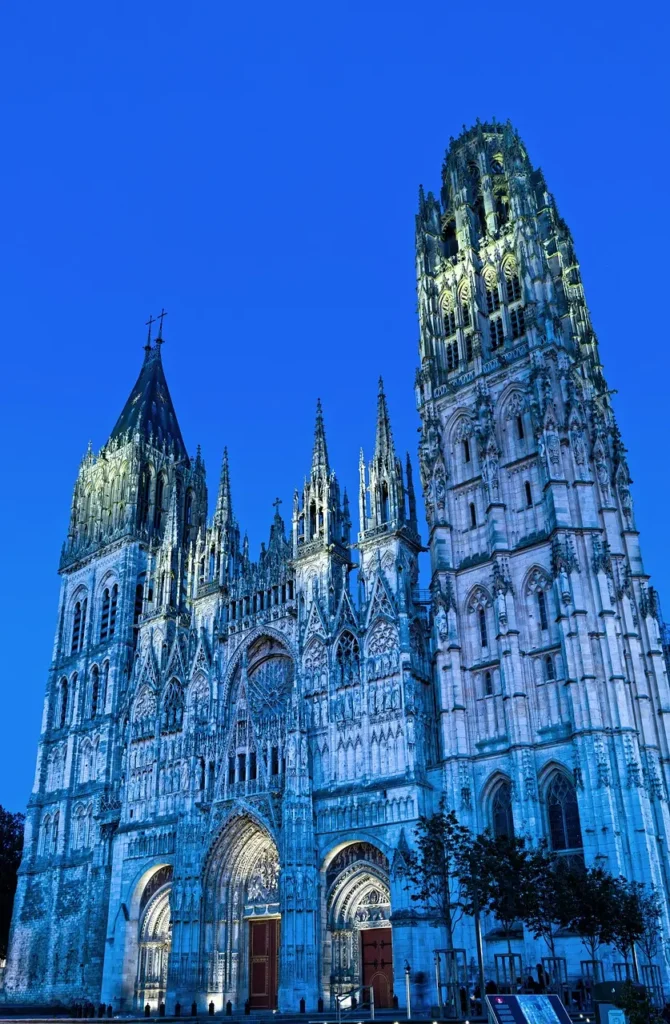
column 527, row 1010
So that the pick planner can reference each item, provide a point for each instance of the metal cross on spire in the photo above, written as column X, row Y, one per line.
column 275, row 504
column 150, row 322
column 161, row 317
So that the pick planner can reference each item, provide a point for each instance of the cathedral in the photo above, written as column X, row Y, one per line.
column 234, row 753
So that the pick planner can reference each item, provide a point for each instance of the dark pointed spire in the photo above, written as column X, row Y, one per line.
column 320, row 454
column 223, row 515
column 384, row 438
column 411, row 496
column 149, row 410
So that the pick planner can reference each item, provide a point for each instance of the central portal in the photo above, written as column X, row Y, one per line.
column 263, row 951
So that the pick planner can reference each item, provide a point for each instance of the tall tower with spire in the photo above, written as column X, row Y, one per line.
column 549, row 668
column 137, row 506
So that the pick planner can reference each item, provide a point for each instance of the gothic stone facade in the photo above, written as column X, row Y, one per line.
column 234, row 754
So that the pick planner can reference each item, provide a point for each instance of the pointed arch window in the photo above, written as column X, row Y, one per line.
column 158, row 503
column 497, row 332
column 518, row 322
column 483, row 630
column 143, row 496
column 466, row 450
column 565, row 832
column 473, row 515
column 95, row 690
column 62, row 705
column 112, row 610
column 173, row 707
column 542, row 609
column 452, row 355
column 104, row 616
column 520, row 433
column 513, row 287
column 348, row 659
column 77, row 626
column 188, row 513
column 54, row 833
column 549, row 668
column 488, row 684
column 449, row 322
column 502, row 819
column 492, row 296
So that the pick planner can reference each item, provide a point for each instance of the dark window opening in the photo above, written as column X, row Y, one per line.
column 488, row 684
column 274, row 762
column 549, row 668
column 483, row 632
column 252, row 765
column 242, row 767
column 513, row 288
column 452, row 355
column 158, row 504
column 542, row 607
column 231, row 771
column 518, row 322
column 519, row 428
column 473, row 514
column 529, row 494
column 104, row 618
column 466, row 450
column 497, row 332
column 469, row 354
column 449, row 322
column 501, row 811
column 492, row 298
column 565, row 831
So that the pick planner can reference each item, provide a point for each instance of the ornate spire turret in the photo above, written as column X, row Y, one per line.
column 320, row 462
column 223, row 515
column 319, row 521
column 386, row 506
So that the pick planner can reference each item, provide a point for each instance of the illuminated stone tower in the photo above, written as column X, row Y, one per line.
column 550, row 675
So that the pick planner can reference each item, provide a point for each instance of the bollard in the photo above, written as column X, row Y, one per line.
column 177, row 1009
column 161, row 1010
column 247, row 1008
column 101, row 1009
column 302, row 1005
column 147, row 1010
column 229, row 1009
column 320, row 1005
column 110, row 1011
column 194, row 1009
column 210, row 1008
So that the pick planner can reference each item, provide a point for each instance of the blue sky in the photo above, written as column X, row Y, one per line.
column 254, row 169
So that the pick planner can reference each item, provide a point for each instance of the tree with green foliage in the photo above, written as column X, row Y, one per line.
column 508, row 874
column 628, row 923
column 11, row 846
column 436, row 866
column 652, row 911
column 591, row 895
column 549, row 895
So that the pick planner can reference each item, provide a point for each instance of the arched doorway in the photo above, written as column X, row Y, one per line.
column 359, row 936
column 155, row 933
column 241, row 916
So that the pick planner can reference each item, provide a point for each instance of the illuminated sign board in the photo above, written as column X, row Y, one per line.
column 527, row 1010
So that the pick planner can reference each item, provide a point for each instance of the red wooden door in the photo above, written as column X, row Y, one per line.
column 263, row 945
column 378, row 964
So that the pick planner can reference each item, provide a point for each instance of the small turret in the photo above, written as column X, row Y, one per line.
column 319, row 520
